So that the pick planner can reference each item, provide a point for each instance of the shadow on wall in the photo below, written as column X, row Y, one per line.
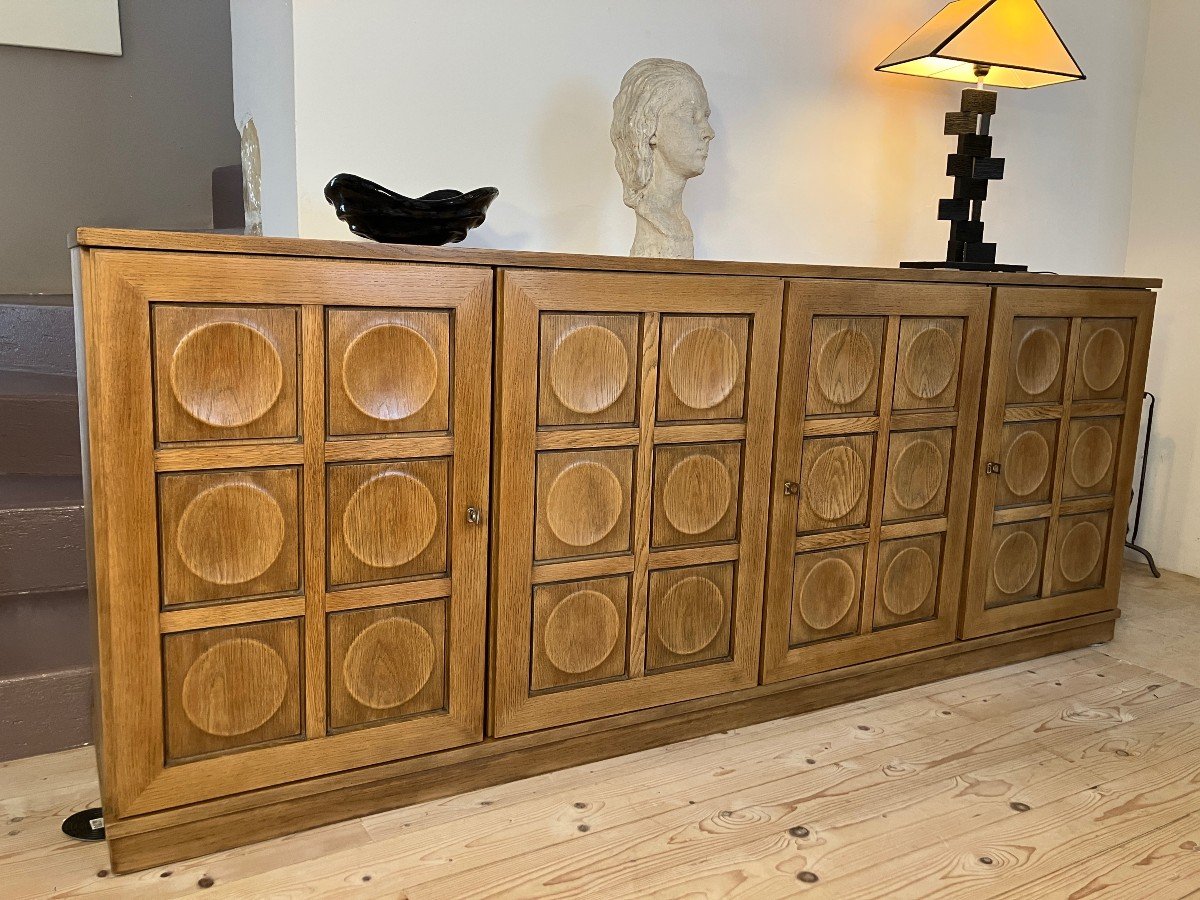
column 709, row 199
column 572, row 138
column 572, row 141
column 897, row 174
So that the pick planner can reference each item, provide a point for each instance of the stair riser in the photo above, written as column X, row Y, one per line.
column 41, row 550
column 45, row 713
column 39, row 436
column 44, row 633
column 37, row 338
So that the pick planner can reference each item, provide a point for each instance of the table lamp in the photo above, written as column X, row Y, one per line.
column 1007, row 43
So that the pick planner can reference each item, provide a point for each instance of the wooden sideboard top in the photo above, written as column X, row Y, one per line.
column 205, row 242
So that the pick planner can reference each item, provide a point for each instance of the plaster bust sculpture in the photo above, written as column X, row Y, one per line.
column 661, row 134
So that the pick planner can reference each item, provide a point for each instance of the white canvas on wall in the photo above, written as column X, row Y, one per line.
column 84, row 26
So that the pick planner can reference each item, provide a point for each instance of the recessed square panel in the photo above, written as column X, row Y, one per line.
column 689, row 611
column 1092, row 446
column 844, row 362
column 580, row 632
column 229, row 534
column 927, row 364
column 918, row 474
column 231, row 688
column 388, row 370
column 702, row 367
column 386, row 663
column 1103, row 368
column 835, row 483
column 826, row 594
column 1080, row 552
column 1026, row 463
column 1037, row 360
column 696, row 489
column 225, row 372
column 387, row 520
column 1015, row 563
column 588, row 369
column 906, row 588
column 584, row 499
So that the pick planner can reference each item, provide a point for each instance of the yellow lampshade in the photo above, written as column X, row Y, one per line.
column 1012, row 38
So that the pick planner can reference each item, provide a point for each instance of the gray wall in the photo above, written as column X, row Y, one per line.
column 128, row 141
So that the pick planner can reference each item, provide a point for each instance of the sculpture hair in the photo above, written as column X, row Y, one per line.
column 644, row 92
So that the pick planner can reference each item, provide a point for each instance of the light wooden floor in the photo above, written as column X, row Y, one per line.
column 1073, row 776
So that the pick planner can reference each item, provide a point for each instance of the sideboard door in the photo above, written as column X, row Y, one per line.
column 634, row 418
column 878, row 401
column 282, row 455
column 1064, row 391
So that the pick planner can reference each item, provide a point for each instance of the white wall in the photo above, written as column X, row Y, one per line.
column 817, row 157
column 264, row 89
column 1165, row 241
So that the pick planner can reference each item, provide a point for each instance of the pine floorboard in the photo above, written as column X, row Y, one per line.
column 1077, row 775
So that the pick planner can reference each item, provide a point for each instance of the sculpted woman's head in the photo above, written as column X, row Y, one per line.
column 660, row 126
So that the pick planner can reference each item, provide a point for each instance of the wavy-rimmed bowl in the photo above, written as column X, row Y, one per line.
column 440, row 217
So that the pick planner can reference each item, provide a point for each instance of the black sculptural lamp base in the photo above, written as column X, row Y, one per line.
column 965, row 266
column 971, row 166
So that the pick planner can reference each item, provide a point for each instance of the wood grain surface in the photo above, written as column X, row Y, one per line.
column 355, row 249
column 1103, row 754
column 1061, row 416
column 294, row 480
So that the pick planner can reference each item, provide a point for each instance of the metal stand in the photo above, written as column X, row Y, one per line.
column 1131, row 532
column 85, row 825
column 972, row 167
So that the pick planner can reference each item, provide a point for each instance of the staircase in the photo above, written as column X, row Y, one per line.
column 45, row 636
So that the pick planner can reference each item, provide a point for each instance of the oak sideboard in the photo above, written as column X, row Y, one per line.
column 372, row 525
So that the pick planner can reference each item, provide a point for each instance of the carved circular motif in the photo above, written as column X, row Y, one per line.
column 1103, row 359
column 584, row 503
column 230, row 533
column 388, row 663
column 581, row 631
column 1026, row 463
column 226, row 374
column 234, row 687
column 907, row 581
column 836, row 483
column 696, row 494
column 690, row 615
column 845, row 366
column 389, row 520
column 930, row 363
column 1015, row 563
column 827, row 593
column 1091, row 456
column 589, row 369
column 389, row 372
column 918, row 475
column 1080, row 551
column 704, row 367
column 1039, row 358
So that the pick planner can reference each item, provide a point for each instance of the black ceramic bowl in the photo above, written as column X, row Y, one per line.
column 372, row 211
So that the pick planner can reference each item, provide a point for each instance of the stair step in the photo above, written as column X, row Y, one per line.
column 41, row 534
column 39, row 424
column 40, row 491
column 44, row 632
column 37, row 337
column 44, row 713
